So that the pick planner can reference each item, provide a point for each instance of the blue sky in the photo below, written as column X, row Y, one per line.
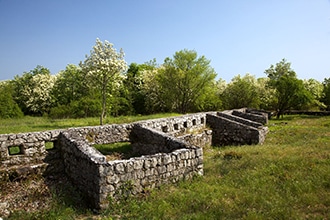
column 238, row 36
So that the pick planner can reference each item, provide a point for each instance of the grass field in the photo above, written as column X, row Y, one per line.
column 29, row 124
column 288, row 177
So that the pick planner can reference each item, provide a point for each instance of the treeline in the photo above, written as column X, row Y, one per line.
column 103, row 84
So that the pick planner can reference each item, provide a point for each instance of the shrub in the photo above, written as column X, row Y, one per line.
column 8, row 107
column 82, row 108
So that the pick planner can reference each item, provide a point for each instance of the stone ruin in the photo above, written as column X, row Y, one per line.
column 169, row 149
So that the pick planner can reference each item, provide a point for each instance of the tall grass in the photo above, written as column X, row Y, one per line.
column 288, row 177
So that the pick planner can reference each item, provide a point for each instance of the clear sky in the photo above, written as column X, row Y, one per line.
column 238, row 36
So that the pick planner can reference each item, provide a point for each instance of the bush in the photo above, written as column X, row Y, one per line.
column 82, row 108
column 8, row 107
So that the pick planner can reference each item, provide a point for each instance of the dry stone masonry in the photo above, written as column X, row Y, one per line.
column 168, row 149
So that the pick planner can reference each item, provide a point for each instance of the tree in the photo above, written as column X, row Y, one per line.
column 184, row 79
column 70, row 85
column 241, row 92
column 134, row 84
column 266, row 94
column 209, row 99
column 8, row 107
column 315, row 88
column 326, row 93
column 289, row 91
column 73, row 97
column 104, row 67
column 152, row 91
column 33, row 91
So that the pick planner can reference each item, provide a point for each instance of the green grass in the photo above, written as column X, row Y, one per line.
column 29, row 124
column 288, row 177
column 120, row 150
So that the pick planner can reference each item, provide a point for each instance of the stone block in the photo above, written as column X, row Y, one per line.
column 138, row 164
column 119, row 168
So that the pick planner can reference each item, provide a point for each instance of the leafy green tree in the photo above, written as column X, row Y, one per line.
column 184, row 79
column 103, row 68
column 241, row 92
column 209, row 99
column 70, row 85
column 73, row 97
column 8, row 107
column 33, row 91
column 134, row 84
column 290, row 92
column 326, row 93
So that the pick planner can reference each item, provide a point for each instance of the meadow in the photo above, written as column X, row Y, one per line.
column 288, row 177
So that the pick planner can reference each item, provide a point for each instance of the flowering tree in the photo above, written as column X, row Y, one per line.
column 38, row 94
column 152, row 90
column 316, row 89
column 33, row 91
column 104, row 67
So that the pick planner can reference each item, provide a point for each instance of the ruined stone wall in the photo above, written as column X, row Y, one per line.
column 229, row 130
column 31, row 155
column 240, row 119
column 167, row 160
column 202, row 138
column 177, row 125
column 259, row 118
column 170, row 150
column 149, row 171
column 105, row 134
column 81, row 162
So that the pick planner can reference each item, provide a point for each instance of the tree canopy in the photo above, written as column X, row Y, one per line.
column 289, row 91
column 32, row 91
column 241, row 92
column 184, row 79
column 104, row 85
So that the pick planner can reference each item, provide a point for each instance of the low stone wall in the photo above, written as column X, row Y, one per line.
column 177, row 125
column 240, row 120
column 81, row 162
column 266, row 114
column 166, row 159
column 201, row 139
column 232, row 130
column 260, row 118
column 30, row 155
column 170, row 150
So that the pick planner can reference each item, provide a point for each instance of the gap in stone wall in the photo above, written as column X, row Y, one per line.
column 49, row 145
column 15, row 150
column 165, row 129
